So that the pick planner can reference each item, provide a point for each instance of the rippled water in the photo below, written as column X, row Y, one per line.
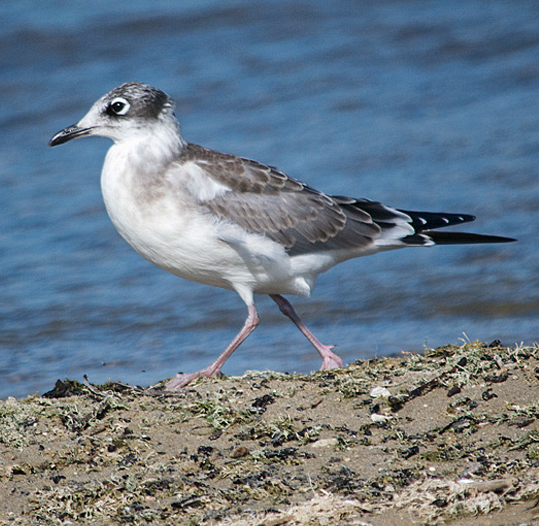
column 419, row 104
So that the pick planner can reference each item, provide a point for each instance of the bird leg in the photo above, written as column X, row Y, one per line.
column 329, row 359
column 251, row 323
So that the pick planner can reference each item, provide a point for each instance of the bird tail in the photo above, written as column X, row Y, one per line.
column 424, row 224
column 462, row 238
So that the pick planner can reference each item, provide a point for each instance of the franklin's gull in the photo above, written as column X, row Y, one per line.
column 235, row 223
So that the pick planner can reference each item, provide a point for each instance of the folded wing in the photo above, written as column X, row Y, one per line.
column 264, row 200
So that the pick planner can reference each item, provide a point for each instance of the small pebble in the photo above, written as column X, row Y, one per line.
column 325, row 442
column 380, row 392
column 375, row 417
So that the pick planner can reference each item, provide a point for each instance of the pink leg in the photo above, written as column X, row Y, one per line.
column 329, row 359
column 251, row 323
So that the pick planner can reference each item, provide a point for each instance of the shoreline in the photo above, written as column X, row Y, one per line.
column 447, row 436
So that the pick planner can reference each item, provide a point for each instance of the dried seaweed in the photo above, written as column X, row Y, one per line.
column 424, row 438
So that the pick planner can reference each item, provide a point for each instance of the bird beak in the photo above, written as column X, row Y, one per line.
column 71, row 132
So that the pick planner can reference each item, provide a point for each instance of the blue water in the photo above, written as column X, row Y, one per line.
column 423, row 105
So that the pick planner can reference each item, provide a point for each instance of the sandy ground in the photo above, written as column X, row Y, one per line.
column 448, row 436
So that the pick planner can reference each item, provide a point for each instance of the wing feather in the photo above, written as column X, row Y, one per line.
column 262, row 199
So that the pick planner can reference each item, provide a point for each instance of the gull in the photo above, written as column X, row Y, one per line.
column 232, row 222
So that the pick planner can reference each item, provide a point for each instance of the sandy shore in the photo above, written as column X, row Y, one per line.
column 448, row 436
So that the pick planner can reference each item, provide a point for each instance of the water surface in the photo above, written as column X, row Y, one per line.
column 423, row 105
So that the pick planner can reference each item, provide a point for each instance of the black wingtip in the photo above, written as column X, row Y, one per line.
column 463, row 238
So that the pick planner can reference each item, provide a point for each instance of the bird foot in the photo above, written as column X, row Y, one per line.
column 329, row 359
column 182, row 379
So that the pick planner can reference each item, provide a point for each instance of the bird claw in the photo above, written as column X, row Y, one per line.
column 329, row 359
column 183, row 379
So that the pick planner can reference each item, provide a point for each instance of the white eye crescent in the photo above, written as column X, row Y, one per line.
column 119, row 106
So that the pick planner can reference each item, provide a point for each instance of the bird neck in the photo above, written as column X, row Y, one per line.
column 153, row 149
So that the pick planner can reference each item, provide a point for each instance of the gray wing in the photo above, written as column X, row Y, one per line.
column 266, row 201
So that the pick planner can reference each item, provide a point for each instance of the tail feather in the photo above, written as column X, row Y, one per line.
column 461, row 238
column 424, row 224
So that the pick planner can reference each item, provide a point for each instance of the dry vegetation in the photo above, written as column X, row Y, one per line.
column 448, row 436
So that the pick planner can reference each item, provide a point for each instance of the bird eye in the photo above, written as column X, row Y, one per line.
column 119, row 106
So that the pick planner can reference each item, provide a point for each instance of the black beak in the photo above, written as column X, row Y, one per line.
column 71, row 132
